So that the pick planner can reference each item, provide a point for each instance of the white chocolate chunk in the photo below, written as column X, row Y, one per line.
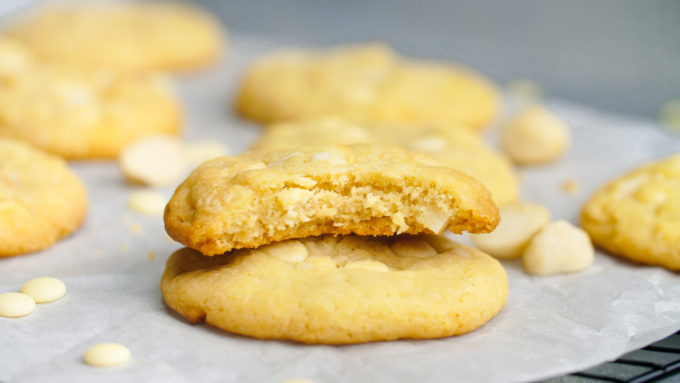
column 106, row 355
column 254, row 166
column 412, row 247
column 560, row 247
column 328, row 157
column 202, row 151
column 368, row 264
column 292, row 196
column 44, row 289
column 155, row 161
column 535, row 136
column 289, row 251
column 14, row 305
column 435, row 219
column 148, row 202
column 519, row 223
column 430, row 144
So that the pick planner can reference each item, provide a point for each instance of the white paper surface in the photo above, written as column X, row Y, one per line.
column 550, row 326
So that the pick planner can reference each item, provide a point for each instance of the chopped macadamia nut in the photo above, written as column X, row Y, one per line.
column 519, row 223
column 154, row 161
column 535, row 136
column 560, row 247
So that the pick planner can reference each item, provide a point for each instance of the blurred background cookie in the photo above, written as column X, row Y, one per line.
column 41, row 200
column 367, row 83
column 123, row 35
column 80, row 113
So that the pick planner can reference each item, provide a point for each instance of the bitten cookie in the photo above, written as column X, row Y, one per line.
column 123, row 36
column 637, row 216
column 41, row 200
column 80, row 113
column 374, row 189
column 365, row 83
column 345, row 289
column 459, row 149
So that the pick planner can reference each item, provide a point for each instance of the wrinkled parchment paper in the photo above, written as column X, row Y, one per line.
column 550, row 326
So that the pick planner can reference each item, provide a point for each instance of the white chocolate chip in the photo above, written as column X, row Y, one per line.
column 202, row 151
column 292, row 196
column 519, row 222
column 44, row 290
column 434, row 219
column 148, row 202
column 559, row 248
column 14, row 305
column 367, row 264
column 106, row 355
column 254, row 166
column 430, row 144
column 155, row 161
column 535, row 136
column 412, row 247
column 289, row 251
column 325, row 156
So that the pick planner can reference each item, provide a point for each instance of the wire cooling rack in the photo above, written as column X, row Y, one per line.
column 658, row 362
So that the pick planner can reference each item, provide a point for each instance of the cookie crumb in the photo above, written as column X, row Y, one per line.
column 123, row 248
column 151, row 256
column 571, row 186
column 136, row 228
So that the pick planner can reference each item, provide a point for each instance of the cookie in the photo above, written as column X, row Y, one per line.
column 459, row 149
column 123, row 36
column 345, row 289
column 41, row 200
column 637, row 216
column 79, row 113
column 373, row 189
column 365, row 83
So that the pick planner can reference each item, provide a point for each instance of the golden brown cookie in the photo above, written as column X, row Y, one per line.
column 123, row 36
column 41, row 200
column 459, row 149
column 374, row 189
column 345, row 289
column 637, row 216
column 365, row 83
column 80, row 113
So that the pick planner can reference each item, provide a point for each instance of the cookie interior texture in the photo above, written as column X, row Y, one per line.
column 80, row 113
column 458, row 148
column 373, row 189
column 122, row 36
column 345, row 289
column 41, row 200
column 365, row 82
column 637, row 216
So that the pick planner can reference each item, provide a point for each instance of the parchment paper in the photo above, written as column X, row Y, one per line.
column 550, row 326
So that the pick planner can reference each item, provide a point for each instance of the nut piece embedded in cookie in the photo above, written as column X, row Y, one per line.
column 560, row 247
column 348, row 289
column 378, row 189
column 535, row 136
column 519, row 223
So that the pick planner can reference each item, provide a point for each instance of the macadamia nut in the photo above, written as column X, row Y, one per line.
column 535, row 136
column 560, row 247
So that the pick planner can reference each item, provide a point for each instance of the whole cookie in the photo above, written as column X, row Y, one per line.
column 41, row 200
column 372, row 189
column 365, row 83
column 637, row 216
column 80, row 113
column 345, row 289
column 459, row 149
column 123, row 36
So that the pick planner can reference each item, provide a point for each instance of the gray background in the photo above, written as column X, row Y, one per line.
column 621, row 56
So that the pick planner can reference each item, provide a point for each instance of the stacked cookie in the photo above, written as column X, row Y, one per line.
column 332, row 244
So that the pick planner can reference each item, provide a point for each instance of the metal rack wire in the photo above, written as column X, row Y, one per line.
column 658, row 362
